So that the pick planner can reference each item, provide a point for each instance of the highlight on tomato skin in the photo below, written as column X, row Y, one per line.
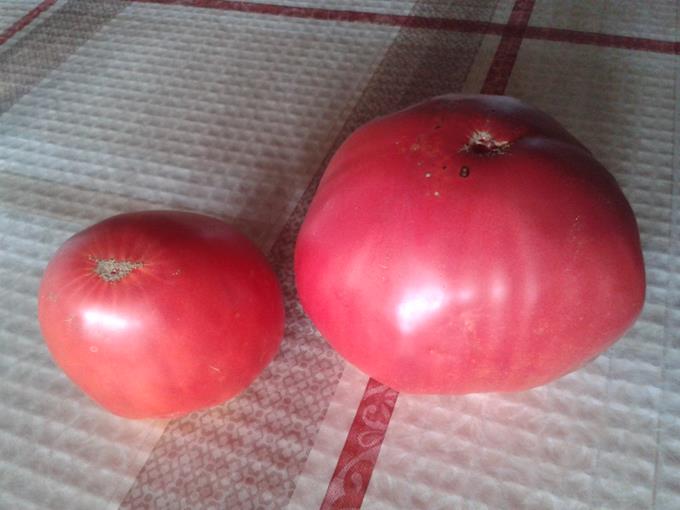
column 467, row 244
column 160, row 313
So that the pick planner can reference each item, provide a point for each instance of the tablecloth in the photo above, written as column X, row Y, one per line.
column 232, row 109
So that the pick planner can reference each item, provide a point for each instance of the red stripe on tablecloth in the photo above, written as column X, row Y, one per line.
column 353, row 471
column 434, row 23
column 358, row 457
column 399, row 20
column 605, row 40
column 318, row 13
column 25, row 20
column 504, row 60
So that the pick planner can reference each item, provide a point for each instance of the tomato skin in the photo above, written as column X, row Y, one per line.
column 197, row 317
column 437, row 264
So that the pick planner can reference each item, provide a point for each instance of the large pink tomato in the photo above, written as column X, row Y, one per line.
column 159, row 313
column 468, row 244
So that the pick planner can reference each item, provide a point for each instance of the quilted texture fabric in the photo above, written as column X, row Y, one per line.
column 233, row 109
column 14, row 10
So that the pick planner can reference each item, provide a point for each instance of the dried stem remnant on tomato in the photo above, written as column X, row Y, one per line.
column 484, row 144
column 112, row 270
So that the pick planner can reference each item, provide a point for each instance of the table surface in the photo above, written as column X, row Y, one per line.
column 232, row 109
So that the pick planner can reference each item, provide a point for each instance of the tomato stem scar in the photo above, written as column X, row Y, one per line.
column 484, row 144
column 112, row 270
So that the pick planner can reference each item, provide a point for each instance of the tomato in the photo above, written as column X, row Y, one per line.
column 468, row 244
column 159, row 313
